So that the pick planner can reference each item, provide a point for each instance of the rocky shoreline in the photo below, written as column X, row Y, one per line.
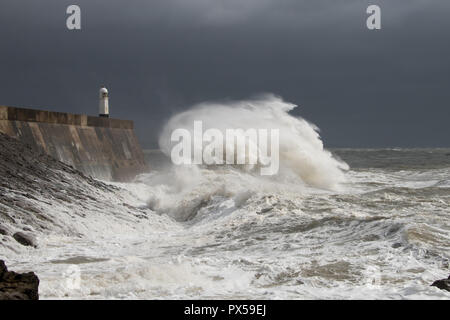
column 31, row 183
column 18, row 286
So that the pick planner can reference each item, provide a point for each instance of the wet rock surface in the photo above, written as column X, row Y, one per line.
column 32, row 181
column 443, row 284
column 25, row 239
column 18, row 286
column 4, row 231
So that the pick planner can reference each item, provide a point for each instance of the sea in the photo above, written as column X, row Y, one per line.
column 339, row 223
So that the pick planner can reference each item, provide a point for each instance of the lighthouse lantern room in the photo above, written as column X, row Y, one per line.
column 103, row 103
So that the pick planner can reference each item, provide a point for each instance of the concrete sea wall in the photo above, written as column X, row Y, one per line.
column 104, row 148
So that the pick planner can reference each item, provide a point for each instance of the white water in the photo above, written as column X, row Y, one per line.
column 226, row 232
column 303, row 158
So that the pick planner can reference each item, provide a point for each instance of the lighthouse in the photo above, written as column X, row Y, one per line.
column 103, row 107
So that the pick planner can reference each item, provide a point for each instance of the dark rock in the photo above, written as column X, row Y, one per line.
column 443, row 284
column 4, row 231
column 25, row 239
column 18, row 286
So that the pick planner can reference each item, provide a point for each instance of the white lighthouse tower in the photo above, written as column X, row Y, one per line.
column 103, row 107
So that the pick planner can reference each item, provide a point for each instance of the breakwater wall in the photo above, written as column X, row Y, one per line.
column 104, row 148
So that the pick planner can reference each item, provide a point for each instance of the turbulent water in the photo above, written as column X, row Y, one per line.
column 377, row 228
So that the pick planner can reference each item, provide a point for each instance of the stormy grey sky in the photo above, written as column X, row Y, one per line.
column 362, row 88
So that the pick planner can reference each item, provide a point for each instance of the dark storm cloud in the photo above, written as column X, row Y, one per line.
column 361, row 87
